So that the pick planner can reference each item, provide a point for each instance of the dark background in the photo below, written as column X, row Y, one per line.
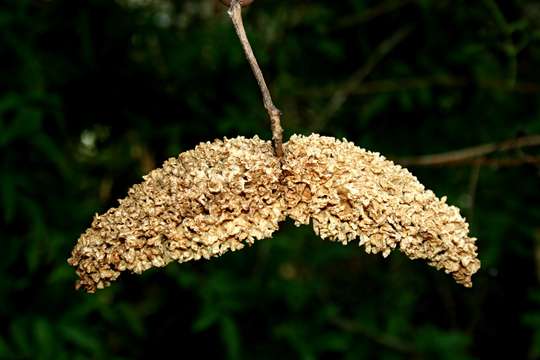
column 94, row 94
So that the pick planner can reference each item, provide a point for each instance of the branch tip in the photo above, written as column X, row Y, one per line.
column 235, row 13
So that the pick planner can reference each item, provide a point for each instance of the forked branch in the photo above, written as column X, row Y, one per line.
column 235, row 13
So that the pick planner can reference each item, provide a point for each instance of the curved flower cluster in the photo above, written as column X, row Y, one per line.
column 348, row 193
column 223, row 195
column 209, row 200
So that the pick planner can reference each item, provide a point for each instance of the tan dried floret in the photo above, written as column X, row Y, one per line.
column 222, row 195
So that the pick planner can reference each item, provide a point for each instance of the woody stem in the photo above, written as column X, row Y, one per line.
column 235, row 13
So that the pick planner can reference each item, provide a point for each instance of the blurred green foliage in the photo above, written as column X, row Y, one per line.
column 95, row 93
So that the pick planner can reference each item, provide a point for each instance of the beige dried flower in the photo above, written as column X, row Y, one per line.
column 348, row 193
column 223, row 195
column 215, row 198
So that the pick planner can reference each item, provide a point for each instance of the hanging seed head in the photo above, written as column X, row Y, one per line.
column 215, row 198
column 349, row 193
column 223, row 195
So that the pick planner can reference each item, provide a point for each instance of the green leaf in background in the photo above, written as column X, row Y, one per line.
column 132, row 319
column 27, row 121
column 48, row 148
column 8, row 196
column 205, row 320
column 441, row 344
column 45, row 338
column 78, row 336
column 294, row 333
column 231, row 337
column 5, row 351
column 334, row 341
column 20, row 336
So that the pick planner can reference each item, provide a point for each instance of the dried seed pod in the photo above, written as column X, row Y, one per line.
column 223, row 195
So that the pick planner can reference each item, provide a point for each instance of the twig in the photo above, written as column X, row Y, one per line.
column 341, row 95
column 384, row 340
column 476, row 153
column 510, row 162
column 382, row 86
column 412, row 83
column 235, row 13
column 509, row 47
column 371, row 13
column 473, row 187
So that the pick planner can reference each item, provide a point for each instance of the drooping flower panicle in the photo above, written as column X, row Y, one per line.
column 349, row 193
column 209, row 200
column 223, row 195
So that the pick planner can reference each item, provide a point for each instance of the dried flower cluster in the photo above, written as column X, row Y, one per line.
column 348, row 193
column 224, row 194
column 207, row 201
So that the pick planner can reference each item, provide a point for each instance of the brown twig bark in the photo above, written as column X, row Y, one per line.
column 412, row 83
column 235, row 13
column 477, row 153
